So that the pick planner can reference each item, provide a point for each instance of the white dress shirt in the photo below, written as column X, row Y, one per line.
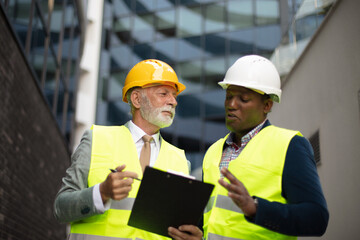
column 137, row 134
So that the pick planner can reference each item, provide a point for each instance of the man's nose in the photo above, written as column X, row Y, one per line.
column 231, row 103
column 172, row 100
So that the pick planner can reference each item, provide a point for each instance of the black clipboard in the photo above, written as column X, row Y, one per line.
column 166, row 199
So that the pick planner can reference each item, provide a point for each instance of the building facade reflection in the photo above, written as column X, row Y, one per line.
column 51, row 34
column 200, row 39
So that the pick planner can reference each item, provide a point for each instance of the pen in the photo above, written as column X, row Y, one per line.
column 114, row 170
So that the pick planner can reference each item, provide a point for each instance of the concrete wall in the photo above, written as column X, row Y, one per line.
column 33, row 153
column 322, row 93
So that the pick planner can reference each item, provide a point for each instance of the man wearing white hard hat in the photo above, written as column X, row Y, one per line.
column 267, row 186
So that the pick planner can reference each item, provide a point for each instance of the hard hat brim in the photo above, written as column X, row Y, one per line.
column 275, row 94
column 178, row 86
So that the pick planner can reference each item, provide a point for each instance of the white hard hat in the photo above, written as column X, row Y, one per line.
column 254, row 72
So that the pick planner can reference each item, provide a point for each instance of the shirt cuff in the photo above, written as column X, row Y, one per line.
column 99, row 205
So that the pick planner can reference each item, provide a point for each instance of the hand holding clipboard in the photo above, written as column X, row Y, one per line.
column 166, row 199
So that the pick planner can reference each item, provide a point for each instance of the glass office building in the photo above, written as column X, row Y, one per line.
column 200, row 39
column 51, row 34
column 309, row 15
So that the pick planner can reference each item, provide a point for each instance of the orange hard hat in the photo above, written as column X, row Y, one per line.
column 149, row 73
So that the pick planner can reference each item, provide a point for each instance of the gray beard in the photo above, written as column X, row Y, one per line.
column 154, row 115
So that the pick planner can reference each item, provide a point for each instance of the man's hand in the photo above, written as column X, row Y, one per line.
column 185, row 232
column 117, row 185
column 238, row 193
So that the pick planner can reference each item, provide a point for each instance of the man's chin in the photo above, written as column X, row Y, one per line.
column 164, row 123
column 167, row 124
column 230, row 126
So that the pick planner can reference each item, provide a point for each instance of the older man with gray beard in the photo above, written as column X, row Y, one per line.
column 98, row 202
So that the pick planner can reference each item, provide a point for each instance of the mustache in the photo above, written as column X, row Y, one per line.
column 167, row 109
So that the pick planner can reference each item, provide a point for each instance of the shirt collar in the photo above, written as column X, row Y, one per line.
column 246, row 138
column 137, row 133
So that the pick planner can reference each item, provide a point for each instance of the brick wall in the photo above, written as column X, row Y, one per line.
column 33, row 154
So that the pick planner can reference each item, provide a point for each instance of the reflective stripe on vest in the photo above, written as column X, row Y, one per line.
column 212, row 236
column 260, row 169
column 76, row 236
column 124, row 204
column 227, row 203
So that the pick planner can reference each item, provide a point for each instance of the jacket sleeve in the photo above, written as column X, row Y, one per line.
column 74, row 201
column 306, row 212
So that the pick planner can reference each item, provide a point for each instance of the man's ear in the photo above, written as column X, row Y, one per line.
column 268, row 103
column 136, row 98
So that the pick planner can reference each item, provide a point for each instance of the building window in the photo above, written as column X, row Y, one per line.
column 143, row 30
column 165, row 24
column 189, row 22
column 215, row 18
column 315, row 143
column 240, row 14
column 267, row 12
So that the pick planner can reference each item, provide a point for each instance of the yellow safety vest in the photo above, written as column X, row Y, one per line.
column 112, row 147
column 259, row 166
